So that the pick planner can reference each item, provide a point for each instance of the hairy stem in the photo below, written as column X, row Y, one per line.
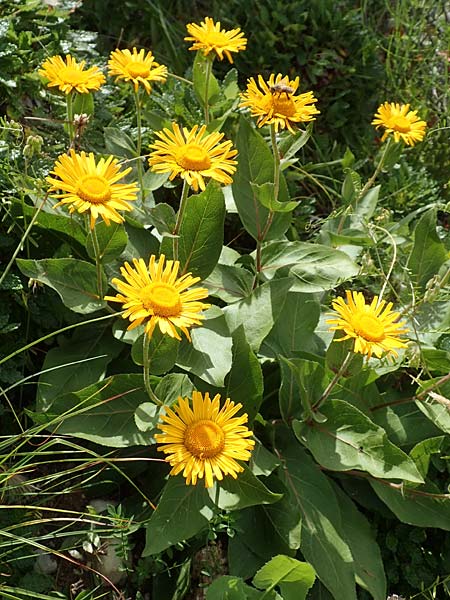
column 183, row 202
column 146, row 365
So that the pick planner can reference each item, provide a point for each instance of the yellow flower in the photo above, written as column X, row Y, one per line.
column 89, row 186
column 193, row 155
column 403, row 123
column 203, row 441
column 374, row 327
column 70, row 75
column 154, row 295
column 274, row 102
column 209, row 37
column 137, row 67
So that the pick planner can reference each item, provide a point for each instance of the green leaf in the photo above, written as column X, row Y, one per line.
column 422, row 452
column 316, row 268
column 415, row 507
column 311, row 379
column 289, row 393
column 199, row 78
column 264, row 193
column 74, row 280
column 146, row 416
column 323, row 543
column 293, row 331
column 75, row 363
column 229, row 283
column 294, row 578
column 437, row 409
column 172, row 386
column 209, row 355
column 350, row 440
column 119, row 143
column 428, row 252
column 365, row 208
column 162, row 352
column 259, row 311
column 263, row 462
column 229, row 587
column 112, row 241
column 286, row 519
column 106, row 412
column 291, row 144
column 247, row 490
column 201, row 231
column 366, row 552
column 163, row 218
column 256, row 166
column 182, row 511
column 83, row 104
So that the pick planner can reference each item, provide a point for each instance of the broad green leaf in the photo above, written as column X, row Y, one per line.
column 323, row 542
column 119, row 143
column 263, row 462
column 428, row 252
column 289, row 394
column 364, row 209
column 256, row 166
column 172, row 386
column 291, row 144
column 414, row 506
column 112, row 241
column 201, row 232
column 259, row 311
column 229, row 587
column 229, row 283
column 366, row 552
column 285, row 518
column 209, row 355
column 75, row 363
column 182, row 511
column 437, row 408
column 350, row 440
column 311, row 378
column 316, row 268
column 83, row 104
column 199, row 72
column 141, row 244
column 163, row 218
column 264, row 193
column 351, row 186
column 162, row 352
column 405, row 424
column 292, row 577
column 294, row 329
column 247, row 490
column 74, row 280
column 105, row 412
column 146, row 416
column 423, row 451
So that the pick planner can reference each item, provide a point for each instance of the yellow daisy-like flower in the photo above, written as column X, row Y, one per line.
column 89, row 186
column 193, row 155
column 274, row 102
column 154, row 294
column 138, row 67
column 205, row 441
column 69, row 75
column 398, row 120
column 209, row 37
column 374, row 327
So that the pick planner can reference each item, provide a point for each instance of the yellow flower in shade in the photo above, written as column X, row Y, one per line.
column 193, row 155
column 138, row 67
column 89, row 186
column 274, row 102
column 205, row 441
column 69, row 75
column 154, row 294
column 374, row 327
column 209, row 37
column 402, row 123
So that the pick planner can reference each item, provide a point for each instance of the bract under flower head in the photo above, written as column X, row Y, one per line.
column 153, row 295
column 205, row 441
column 373, row 327
column 193, row 155
column 209, row 37
column 399, row 121
column 138, row 67
column 69, row 75
column 274, row 102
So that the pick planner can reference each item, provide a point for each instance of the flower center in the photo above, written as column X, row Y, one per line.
column 94, row 189
column 193, row 157
column 401, row 124
column 161, row 298
column 204, row 439
column 216, row 38
column 282, row 104
column 138, row 69
column 368, row 327
column 71, row 75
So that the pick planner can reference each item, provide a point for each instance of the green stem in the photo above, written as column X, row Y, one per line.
column 146, row 364
column 208, row 70
column 137, row 100
column 98, row 263
column 22, row 240
column 276, row 191
column 333, row 382
column 70, row 126
column 183, row 203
